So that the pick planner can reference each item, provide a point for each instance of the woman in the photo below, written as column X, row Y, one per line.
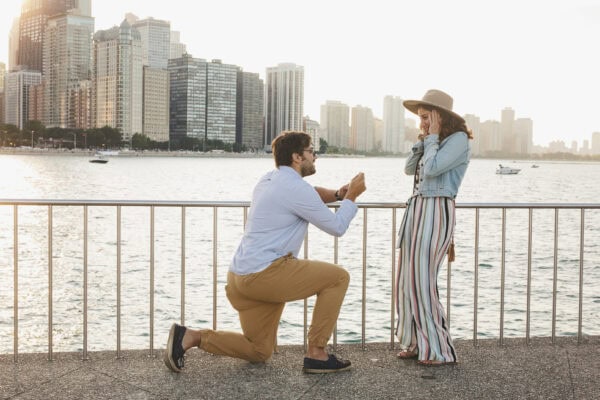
column 438, row 162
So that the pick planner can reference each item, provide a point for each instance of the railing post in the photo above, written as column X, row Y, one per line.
column 151, row 311
column 529, row 250
column 305, row 308
column 215, row 219
column 85, row 282
column 335, row 261
column 476, row 275
column 555, row 275
column 581, row 244
column 183, row 265
column 502, row 276
column 118, row 281
column 50, row 289
column 393, row 281
column 16, row 283
column 364, row 280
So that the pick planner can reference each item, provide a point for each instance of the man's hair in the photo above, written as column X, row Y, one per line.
column 288, row 143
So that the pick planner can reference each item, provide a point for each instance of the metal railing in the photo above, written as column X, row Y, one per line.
column 17, row 204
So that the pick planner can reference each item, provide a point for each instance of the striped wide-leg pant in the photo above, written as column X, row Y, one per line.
column 424, row 237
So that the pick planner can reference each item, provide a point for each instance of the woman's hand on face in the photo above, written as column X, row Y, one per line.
column 435, row 122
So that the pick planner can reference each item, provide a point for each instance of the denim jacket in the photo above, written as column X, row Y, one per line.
column 444, row 164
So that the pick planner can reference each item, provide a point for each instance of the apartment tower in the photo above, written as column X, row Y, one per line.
column 67, row 54
column 393, row 125
column 284, row 100
column 118, row 80
column 334, row 123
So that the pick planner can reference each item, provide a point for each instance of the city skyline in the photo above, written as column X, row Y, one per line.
column 537, row 60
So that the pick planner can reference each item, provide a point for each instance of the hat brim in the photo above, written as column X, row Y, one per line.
column 413, row 107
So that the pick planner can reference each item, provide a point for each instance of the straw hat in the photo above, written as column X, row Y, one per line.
column 434, row 98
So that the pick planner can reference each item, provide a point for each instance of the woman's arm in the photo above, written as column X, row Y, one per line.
column 413, row 158
column 438, row 160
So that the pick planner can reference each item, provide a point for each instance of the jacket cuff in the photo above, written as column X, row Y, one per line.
column 418, row 147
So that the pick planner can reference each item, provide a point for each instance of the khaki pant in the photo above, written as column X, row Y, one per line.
column 260, row 298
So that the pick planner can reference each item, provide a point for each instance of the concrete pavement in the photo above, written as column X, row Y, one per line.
column 541, row 370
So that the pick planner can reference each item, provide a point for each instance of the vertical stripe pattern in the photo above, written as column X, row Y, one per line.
column 424, row 237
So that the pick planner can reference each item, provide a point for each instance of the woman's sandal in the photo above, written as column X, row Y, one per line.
column 407, row 354
column 435, row 363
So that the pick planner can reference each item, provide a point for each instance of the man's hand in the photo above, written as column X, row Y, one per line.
column 342, row 191
column 356, row 187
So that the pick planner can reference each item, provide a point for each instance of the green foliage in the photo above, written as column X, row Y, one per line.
column 323, row 146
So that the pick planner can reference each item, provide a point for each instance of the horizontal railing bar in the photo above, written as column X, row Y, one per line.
column 177, row 203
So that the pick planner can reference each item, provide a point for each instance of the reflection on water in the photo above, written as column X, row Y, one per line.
column 141, row 178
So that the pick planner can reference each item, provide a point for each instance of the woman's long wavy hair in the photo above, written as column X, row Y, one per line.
column 450, row 124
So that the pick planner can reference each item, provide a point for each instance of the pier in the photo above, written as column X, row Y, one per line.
column 562, row 361
column 515, row 370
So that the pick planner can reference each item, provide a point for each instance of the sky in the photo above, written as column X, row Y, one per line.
column 540, row 58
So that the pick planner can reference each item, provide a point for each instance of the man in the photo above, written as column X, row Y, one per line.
column 265, row 273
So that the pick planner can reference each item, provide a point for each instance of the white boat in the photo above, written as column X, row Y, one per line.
column 504, row 170
column 99, row 159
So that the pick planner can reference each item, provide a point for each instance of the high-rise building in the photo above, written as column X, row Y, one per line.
column 156, row 104
column 221, row 101
column 13, row 45
column 156, row 41
column 312, row 128
column 118, row 80
column 81, row 105
column 491, row 137
column 187, row 95
column 507, row 121
column 393, row 125
column 596, row 143
column 523, row 132
column 284, row 100
column 17, row 87
column 473, row 122
column 2, row 74
column 35, row 109
column 32, row 23
column 67, row 62
column 334, row 123
column 250, row 110
column 377, row 134
column 176, row 49
column 362, row 129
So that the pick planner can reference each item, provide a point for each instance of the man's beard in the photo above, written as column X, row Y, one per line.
column 307, row 170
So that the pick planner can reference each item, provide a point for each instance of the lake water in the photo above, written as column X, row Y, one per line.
column 232, row 179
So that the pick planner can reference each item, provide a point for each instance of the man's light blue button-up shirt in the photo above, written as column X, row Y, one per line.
column 283, row 204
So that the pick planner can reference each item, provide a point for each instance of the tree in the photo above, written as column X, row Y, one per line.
column 323, row 146
column 140, row 142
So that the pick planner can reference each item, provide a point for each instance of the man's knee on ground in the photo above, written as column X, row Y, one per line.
column 262, row 353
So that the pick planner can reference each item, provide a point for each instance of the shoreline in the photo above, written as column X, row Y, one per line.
column 146, row 153
column 194, row 154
